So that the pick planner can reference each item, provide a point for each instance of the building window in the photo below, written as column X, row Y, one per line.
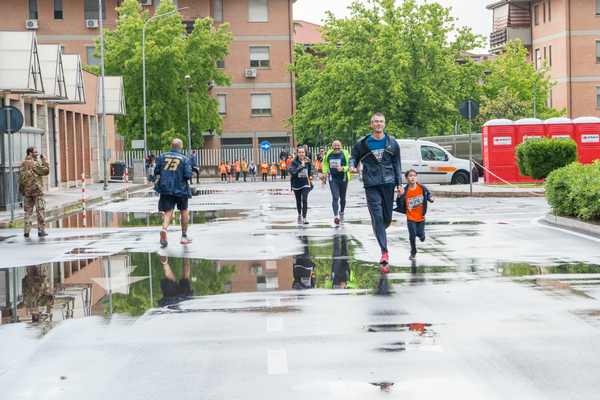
column 222, row 100
column 261, row 104
column 91, row 58
column 550, row 55
column 33, row 9
column 258, row 10
column 597, row 51
column 28, row 115
column 544, row 12
column 597, row 7
column 91, row 10
column 549, row 10
column 597, row 97
column 536, row 14
column 537, row 61
column 217, row 10
column 259, row 57
column 545, row 54
column 221, row 64
column 58, row 9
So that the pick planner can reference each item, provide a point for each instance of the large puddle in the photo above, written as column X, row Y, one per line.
column 133, row 283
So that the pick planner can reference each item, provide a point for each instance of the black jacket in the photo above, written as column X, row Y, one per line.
column 401, row 200
column 296, row 171
column 386, row 171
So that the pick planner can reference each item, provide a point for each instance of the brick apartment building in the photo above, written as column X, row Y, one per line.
column 565, row 34
column 260, row 99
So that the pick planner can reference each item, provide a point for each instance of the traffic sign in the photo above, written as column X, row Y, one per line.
column 265, row 145
column 13, row 116
column 469, row 109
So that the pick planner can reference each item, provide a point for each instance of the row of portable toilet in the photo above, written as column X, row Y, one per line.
column 502, row 136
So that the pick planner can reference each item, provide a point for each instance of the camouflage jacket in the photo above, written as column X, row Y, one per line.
column 30, row 178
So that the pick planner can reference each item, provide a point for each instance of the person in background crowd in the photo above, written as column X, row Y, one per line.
column 284, row 154
column 264, row 170
column 174, row 172
column 245, row 169
column 283, row 169
column 289, row 160
column 238, row 170
column 223, row 171
column 150, row 164
column 231, row 171
column 196, row 165
column 301, row 181
column 252, row 171
column 274, row 171
column 31, row 187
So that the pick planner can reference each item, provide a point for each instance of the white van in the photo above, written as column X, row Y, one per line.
column 433, row 163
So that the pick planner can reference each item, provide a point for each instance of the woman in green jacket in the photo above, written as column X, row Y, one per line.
column 336, row 169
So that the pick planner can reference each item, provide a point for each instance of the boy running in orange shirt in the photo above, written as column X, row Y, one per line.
column 413, row 203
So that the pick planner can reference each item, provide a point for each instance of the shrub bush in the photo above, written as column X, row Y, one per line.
column 574, row 191
column 537, row 158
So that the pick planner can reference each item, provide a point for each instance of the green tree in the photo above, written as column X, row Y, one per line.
column 171, row 54
column 399, row 60
column 510, row 84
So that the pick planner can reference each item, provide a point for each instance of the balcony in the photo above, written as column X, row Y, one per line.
column 499, row 38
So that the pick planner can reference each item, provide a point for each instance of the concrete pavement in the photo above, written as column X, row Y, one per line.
column 496, row 306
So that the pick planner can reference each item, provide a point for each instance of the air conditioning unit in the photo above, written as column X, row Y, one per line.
column 250, row 73
column 91, row 23
column 146, row 2
column 31, row 24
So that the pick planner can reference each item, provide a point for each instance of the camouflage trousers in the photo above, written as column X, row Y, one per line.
column 37, row 202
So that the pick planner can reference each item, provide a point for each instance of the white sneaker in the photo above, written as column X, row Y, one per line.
column 300, row 220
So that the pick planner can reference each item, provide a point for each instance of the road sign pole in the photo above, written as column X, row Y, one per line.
column 470, row 149
column 11, row 174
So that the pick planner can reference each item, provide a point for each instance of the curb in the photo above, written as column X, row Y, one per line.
column 572, row 224
column 442, row 193
column 67, row 208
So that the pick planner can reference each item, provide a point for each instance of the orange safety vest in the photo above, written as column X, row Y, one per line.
column 273, row 169
column 238, row 167
column 282, row 165
column 223, row 169
column 264, row 168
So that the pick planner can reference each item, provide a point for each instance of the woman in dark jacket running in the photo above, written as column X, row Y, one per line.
column 301, row 173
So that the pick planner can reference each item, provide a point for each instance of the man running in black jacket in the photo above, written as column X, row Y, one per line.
column 379, row 154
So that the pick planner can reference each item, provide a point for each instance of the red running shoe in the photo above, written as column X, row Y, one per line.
column 384, row 262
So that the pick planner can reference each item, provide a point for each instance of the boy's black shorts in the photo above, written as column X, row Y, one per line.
column 167, row 202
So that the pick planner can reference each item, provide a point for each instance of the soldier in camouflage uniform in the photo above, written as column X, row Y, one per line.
column 31, row 186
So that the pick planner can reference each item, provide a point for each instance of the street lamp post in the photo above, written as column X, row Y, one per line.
column 144, row 70
column 189, row 130
column 102, row 117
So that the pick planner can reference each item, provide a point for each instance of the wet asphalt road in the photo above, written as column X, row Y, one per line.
column 496, row 306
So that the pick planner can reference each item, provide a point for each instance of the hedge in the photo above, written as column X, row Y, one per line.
column 574, row 191
column 537, row 158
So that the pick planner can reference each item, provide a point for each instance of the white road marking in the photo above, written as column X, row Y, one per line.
column 277, row 362
column 274, row 324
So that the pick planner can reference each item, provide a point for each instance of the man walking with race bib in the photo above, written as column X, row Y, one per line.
column 379, row 155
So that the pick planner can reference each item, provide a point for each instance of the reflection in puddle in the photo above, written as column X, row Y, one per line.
column 133, row 283
column 107, row 219
column 578, row 279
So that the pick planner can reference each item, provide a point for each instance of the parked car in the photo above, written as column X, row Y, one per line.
column 433, row 163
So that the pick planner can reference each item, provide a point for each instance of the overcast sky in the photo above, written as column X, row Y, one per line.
column 470, row 13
